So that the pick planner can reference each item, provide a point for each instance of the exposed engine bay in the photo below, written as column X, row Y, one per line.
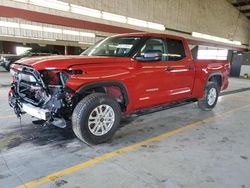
column 42, row 94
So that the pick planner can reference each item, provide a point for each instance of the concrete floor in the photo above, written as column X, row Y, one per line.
column 213, row 152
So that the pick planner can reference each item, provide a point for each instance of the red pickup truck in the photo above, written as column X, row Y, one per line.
column 117, row 76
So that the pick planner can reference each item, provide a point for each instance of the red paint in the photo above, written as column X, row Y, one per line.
column 187, row 80
column 59, row 20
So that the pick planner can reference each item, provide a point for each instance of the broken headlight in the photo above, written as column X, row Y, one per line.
column 58, row 77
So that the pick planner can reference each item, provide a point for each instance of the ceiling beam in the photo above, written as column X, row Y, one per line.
column 245, row 11
column 242, row 3
column 246, row 7
column 60, row 20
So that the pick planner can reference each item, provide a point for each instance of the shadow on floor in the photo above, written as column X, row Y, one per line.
column 41, row 135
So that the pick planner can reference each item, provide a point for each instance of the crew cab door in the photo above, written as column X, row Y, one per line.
column 167, row 80
column 180, row 69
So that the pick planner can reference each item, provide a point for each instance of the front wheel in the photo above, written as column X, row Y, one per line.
column 96, row 118
column 209, row 101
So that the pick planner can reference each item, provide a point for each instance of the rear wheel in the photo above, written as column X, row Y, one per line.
column 209, row 101
column 96, row 118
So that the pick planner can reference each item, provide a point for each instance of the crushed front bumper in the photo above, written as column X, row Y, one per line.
column 21, row 108
column 29, row 94
column 37, row 112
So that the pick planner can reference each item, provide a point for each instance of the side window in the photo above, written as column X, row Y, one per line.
column 155, row 44
column 175, row 50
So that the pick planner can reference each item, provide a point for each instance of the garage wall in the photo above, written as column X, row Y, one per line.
column 9, row 47
column 245, row 68
column 46, row 35
column 214, row 17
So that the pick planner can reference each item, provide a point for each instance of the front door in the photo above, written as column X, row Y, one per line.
column 166, row 80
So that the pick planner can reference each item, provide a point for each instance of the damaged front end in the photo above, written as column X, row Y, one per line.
column 41, row 94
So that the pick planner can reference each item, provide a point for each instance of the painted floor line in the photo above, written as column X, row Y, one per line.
column 109, row 155
column 8, row 117
column 235, row 91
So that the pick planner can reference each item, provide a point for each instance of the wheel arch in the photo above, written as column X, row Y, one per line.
column 103, row 84
column 217, row 76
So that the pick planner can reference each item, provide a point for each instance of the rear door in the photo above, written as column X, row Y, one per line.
column 180, row 70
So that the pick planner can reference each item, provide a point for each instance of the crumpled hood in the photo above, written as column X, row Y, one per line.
column 64, row 62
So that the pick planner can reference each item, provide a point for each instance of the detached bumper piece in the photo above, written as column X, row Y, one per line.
column 36, row 112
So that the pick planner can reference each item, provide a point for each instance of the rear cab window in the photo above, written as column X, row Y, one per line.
column 175, row 50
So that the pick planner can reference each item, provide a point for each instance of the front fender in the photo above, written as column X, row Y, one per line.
column 117, row 83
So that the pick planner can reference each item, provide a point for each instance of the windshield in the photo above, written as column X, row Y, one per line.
column 114, row 46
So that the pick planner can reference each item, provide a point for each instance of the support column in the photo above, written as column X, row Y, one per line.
column 66, row 50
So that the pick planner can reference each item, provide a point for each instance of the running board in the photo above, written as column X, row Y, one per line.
column 161, row 108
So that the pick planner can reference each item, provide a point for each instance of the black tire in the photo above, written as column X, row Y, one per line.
column 203, row 103
column 7, row 66
column 82, row 112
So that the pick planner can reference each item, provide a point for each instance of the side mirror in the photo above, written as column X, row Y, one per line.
column 151, row 55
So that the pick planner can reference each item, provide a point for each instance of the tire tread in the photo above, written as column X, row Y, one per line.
column 202, row 103
column 81, row 108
